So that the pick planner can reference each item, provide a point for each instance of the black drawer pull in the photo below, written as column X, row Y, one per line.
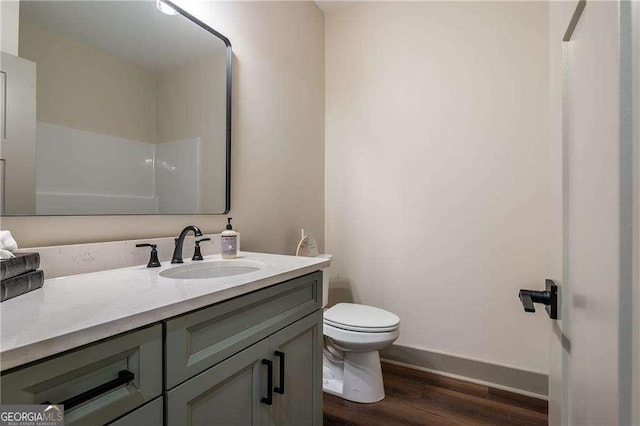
column 124, row 377
column 280, row 389
column 269, row 398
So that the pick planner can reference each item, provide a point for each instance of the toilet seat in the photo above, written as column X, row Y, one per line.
column 360, row 329
column 361, row 318
column 358, row 340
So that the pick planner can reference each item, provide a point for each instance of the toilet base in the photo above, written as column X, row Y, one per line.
column 356, row 377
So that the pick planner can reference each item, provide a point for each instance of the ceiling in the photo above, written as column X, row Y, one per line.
column 135, row 31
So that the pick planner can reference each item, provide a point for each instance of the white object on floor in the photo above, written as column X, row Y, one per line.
column 7, row 242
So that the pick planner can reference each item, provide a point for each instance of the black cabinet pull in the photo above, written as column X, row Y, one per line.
column 269, row 398
column 124, row 377
column 280, row 389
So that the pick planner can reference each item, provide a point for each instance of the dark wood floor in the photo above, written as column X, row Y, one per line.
column 419, row 398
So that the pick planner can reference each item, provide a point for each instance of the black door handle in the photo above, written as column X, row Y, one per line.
column 549, row 298
column 280, row 389
column 124, row 377
column 269, row 398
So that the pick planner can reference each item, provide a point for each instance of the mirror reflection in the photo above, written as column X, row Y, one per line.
column 125, row 112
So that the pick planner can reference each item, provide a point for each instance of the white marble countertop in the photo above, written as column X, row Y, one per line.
column 72, row 311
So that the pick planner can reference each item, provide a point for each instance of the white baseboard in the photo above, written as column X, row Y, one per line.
column 497, row 376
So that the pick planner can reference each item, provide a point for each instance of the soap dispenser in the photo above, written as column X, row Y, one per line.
column 229, row 239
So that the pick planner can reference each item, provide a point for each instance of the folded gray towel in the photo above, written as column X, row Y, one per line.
column 23, row 262
column 21, row 284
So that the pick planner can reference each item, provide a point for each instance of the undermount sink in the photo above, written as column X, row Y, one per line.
column 213, row 269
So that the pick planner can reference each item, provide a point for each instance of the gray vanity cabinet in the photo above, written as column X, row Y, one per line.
column 201, row 339
column 297, row 357
column 252, row 360
column 97, row 384
column 218, row 359
column 237, row 392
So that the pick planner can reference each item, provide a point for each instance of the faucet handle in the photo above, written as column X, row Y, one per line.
column 153, row 259
column 197, row 254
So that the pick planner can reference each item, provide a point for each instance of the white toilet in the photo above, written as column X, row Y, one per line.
column 353, row 335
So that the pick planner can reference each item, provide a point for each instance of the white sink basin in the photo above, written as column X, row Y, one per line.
column 212, row 269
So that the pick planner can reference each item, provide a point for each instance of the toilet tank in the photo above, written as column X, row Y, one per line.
column 325, row 280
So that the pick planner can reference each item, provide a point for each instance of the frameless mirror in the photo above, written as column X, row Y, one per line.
column 115, row 107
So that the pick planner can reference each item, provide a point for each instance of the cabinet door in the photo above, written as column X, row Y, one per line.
column 229, row 393
column 297, row 356
column 147, row 415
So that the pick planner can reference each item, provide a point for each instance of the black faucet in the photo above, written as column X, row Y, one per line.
column 177, row 252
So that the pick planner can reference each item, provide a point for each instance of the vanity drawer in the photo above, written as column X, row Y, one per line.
column 101, row 382
column 196, row 341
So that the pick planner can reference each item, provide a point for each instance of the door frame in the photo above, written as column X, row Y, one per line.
column 629, row 295
column 633, row 30
column 629, row 216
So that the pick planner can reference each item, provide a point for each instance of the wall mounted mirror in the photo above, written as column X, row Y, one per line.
column 115, row 107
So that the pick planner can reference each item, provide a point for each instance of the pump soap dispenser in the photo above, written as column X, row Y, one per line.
column 229, row 239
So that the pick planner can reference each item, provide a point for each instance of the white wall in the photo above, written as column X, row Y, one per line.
column 436, row 170
column 9, row 26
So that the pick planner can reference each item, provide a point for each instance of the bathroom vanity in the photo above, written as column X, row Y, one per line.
column 133, row 347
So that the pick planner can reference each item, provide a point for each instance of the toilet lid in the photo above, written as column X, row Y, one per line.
column 351, row 316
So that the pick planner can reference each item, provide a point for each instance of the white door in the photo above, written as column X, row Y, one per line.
column 17, row 135
column 591, row 374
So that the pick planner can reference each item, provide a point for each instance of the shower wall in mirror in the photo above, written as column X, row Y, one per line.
column 115, row 107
